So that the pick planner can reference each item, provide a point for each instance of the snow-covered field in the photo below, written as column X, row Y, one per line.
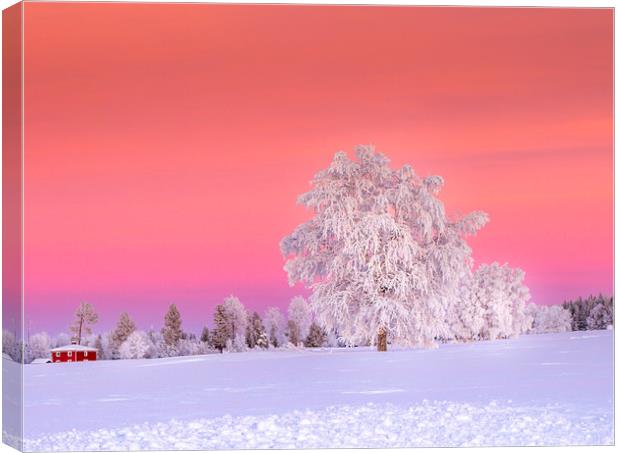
column 553, row 389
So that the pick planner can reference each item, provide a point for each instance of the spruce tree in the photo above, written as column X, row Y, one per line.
column 292, row 332
column 316, row 337
column 204, row 337
column 255, row 332
column 124, row 328
column 222, row 331
column 172, row 327
column 99, row 346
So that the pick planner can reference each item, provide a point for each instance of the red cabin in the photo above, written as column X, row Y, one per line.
column 74, row 353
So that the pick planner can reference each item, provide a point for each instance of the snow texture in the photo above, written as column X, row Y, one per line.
column 548, row 389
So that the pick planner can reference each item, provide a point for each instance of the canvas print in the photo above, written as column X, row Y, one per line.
column 238, row 226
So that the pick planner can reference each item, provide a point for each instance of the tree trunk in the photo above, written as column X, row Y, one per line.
column 80, row 330
column 382, row 340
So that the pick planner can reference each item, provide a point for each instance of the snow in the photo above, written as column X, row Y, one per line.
column 73, row 347
column 40, row 361
column 535, row 390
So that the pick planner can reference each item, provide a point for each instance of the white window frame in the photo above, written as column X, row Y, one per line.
column 57, row 353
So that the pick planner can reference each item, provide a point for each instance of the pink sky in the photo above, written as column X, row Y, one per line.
column 165, row 145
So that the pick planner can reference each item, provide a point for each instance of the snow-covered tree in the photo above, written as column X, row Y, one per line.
column 601, row 317
column 275, row 326
column 205, row 336
column 192, row 346
column 237, row 317
column 161, row 348
column 501, row 293
column 299, row 312
column 222, row 332
column 292, row 333
column 317, row 336
column 40, row 345
column 380, row 255
column 548, row 318
column 100, row 348
column 466, row 313
column 581, row 309
column 137, row 346
column 172, row 328
column 256, row 335
column 10, row 345
column 62, row 339
column 124, row 328
column 85, row 316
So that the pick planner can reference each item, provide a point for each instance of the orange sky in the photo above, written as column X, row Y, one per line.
column 165, row 144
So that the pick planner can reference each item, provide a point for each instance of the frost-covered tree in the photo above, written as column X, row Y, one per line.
column 581, row 309
column 172, row 327
column 256, row 335
column 237, row 317
column 317, row 336
column 299, row 312
column 501, row 293
column 124, row 328
column 85, row 316
column 205, row 336
column 137, row 346
column 161, row 348
column 466, row 313
column 10, row 345
column 292, row 332
column 380, row 255
column 548, row 318
column 62, row 339
column 40, row 345
column 275, row 326
column 601, row 317
column 100, row 348
column 192, row 346
column 222, row 332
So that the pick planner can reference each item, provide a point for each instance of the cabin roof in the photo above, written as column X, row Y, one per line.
column 73, row 347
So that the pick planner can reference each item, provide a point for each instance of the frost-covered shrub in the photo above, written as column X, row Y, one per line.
column 137, row 346
column 192, row 347
column 549, row 318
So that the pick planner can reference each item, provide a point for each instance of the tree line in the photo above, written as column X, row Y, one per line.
column 235, row 329
column 591, row 313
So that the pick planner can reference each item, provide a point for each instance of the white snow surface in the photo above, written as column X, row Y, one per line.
column 549, row 389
